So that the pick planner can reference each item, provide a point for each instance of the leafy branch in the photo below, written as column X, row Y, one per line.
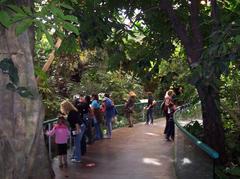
column 47, row 17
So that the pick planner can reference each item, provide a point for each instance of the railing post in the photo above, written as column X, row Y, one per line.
column 49, row 143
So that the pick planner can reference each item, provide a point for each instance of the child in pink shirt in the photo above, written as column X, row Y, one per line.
column 61, row 132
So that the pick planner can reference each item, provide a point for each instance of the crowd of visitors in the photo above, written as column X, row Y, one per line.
column 79, row 117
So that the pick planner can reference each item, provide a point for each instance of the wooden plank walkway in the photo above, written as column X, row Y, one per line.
column 140, row 152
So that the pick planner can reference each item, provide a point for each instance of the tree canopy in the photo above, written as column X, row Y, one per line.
column 129, row 45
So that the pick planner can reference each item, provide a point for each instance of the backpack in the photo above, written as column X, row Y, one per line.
column 108, row 104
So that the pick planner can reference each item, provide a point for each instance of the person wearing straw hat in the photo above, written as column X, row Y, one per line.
column 129, row 107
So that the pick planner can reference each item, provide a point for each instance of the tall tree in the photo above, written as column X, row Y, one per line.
column 23, row 152
column 193, row 43
column 197, row 25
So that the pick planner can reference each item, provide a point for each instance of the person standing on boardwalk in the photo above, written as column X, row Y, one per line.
column 149, row 108
column 167, row 108
column 89, row 120
column 77, row 127
column 109, row 112
column 129, row 108
column 83, row 110
column 97, row 117
column 170, row 122
column 61, row 132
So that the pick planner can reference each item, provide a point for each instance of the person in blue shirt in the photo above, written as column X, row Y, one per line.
column 97, row 117
column 109, row 112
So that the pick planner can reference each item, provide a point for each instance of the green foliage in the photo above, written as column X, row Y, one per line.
column 5, row 20
column 195, row 128
column 142, row 50
column 117, row 84
column 232, row 172
column 55, row 16
column 48, row 16
column 230, row 102
column 69, row 46
column 219, row 171
column 235, row 171
column 23, row 26
column 50, row 94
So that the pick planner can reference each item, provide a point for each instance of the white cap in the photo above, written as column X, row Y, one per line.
column 76, row 96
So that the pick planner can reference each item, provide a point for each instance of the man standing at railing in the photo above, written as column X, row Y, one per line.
column 149, row 108
column 109, row 111
column 129, row 108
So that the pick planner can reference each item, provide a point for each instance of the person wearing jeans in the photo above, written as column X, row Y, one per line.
column 98, row 129
column 77, row 127
column 77, row 144
column 108, row 108
column 149, row 115
column 97, row 118
column 109, row 126
column 149, row 108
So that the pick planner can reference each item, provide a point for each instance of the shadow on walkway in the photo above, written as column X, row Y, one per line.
column 140, row 152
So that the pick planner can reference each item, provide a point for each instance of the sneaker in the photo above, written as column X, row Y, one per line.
column 75, row 160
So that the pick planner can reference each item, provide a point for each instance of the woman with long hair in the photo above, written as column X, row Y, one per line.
column 77, row 127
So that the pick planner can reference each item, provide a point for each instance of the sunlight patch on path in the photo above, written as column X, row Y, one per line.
column 186, row 161
column 152, row 134
column 151, row 161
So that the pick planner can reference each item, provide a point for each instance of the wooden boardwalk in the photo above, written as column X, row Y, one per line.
column 140, row 152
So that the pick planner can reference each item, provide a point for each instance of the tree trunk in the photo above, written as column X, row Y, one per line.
column 213, row 128
column 23, row 152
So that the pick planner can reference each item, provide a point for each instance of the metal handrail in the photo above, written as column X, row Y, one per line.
column 211, row 152
column 50, row 121
column 118, row 105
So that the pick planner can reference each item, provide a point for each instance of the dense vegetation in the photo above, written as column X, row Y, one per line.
column 117, row 46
